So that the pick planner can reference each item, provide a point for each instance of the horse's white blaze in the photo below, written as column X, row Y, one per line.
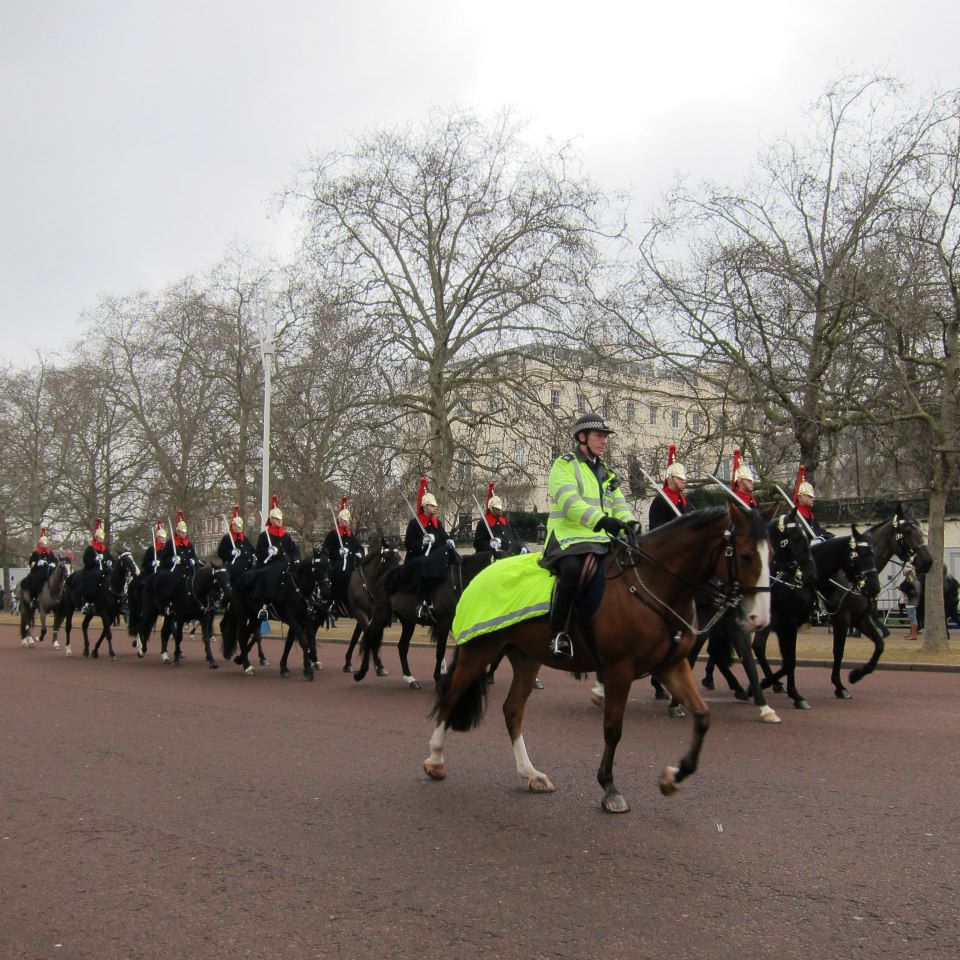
column 756, row 607
column 524, row 767
column 437, row 741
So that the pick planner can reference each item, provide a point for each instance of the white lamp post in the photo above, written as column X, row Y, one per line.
column 266, row 350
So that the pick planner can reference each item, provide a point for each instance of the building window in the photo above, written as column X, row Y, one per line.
column 675, row 419
column 520, row 454
column 606, row 409
column 695, row 422
column 555, row 399
column 581, row 403
column 631, row 411
column 654, row 411
column 495, row 460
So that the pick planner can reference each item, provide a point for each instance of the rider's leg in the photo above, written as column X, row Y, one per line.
column 564, row 592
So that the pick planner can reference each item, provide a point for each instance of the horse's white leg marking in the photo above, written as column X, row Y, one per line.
column 536, row 781
column 437, row 741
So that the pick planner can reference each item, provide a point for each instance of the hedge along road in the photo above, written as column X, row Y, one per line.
column 154, row 811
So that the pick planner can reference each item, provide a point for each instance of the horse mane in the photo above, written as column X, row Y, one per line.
column 693, row 521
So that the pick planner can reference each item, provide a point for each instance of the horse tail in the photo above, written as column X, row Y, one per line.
column 468, row 711
column 228, row 634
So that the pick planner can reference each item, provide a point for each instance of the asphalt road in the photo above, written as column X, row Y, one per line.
column 151, row 811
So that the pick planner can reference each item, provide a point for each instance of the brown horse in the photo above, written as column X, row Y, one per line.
column 645, row 625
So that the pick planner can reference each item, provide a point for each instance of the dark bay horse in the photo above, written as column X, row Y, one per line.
column 899, row 536
column 374, row 566
column 404, row 605
column 644, row 626
column 46, row 602
column 107, row 604
column 196, row 597
column 304, row 589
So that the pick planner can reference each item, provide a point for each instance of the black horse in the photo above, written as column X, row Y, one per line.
column 404, row 605
column 899, row 536
column 197, row 597
column 374, row 566
column 303, row 590
column 109, row 599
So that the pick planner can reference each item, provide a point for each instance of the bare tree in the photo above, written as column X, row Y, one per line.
column 462, row 246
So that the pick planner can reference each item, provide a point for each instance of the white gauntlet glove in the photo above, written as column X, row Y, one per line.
column 451, row 545
column 272, row 552
column 234, row 553
column 494, row 543
column 343, row 551
column 428, row 539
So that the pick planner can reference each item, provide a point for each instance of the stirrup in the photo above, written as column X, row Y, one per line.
column 425, row 610
column 262, row 614
column 87, row 608
column 561, row 645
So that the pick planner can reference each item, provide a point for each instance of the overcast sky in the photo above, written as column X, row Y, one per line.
column 139, row 138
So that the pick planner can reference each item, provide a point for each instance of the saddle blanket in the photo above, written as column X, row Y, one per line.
column 504, row 593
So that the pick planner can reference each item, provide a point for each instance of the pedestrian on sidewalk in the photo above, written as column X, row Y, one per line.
column 910, row 588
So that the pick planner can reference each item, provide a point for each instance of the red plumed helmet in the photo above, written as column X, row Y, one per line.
column 491, row 486
column 671, row 453
column 801, row 476
column 43, row 530
column 420, row 492
column 273, row 501
column 343, row 502
column 236, row 511
column 736, row 463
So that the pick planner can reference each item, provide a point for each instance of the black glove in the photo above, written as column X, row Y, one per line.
column 610, row 525
column 634, row 527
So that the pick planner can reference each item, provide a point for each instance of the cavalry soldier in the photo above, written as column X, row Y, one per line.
column 235, row 550
column 42, row 564
column 743, row 481
column 587, row 508
column 97, row 561
column 494, row 531
column 345, row 551
column 276, row 552
column 673, row 488
column 429, row 552
column 151, row 556
column 178, row 560
column 804, row 501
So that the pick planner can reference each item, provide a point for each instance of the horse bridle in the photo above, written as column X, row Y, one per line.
column 902, row 549
column 727, row 599
column 791, row 562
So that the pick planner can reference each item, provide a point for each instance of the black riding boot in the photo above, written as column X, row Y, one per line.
column 560, row 644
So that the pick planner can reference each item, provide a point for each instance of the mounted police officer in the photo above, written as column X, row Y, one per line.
column 97, row 562
column 587, row 508
column 345, row 551
column 276, row 552
column 429, row 553
column 674, row 485
column 235, row 550
column 42, row 564
column 494, row 531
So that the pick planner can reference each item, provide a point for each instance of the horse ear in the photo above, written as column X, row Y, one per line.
column 770, row 512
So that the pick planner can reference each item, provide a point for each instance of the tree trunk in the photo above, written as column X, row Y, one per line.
column 935, row 638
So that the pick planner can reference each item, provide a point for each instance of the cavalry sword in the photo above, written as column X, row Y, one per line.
column 662, row 492
column 729, row 493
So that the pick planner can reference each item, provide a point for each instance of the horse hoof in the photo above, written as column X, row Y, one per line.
column 113, row 656
column 213, row 665
column 541, row 783
column 347, row 668
column 616, row 803
column 435, row 771
column 707, row 683
column 284, row 674
column 412, row 682
column 164, row 657
column 67, row 652
column 801, row 704
column 238, row 660
column 134, row 642
column 94, row 654
column 768, row 715
column 668, row 781
column 677, row 712
column 842, row 693
column 308, row 675
column 264, row 662
column 249, row 672
column 741, row 695
column 359, row 675
column 382, row 672
column 317, row 666
column 778, row 688
column 141, row 652
column 538, row 684
column 660, row 694
column 857, row 675
column 56, row 644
